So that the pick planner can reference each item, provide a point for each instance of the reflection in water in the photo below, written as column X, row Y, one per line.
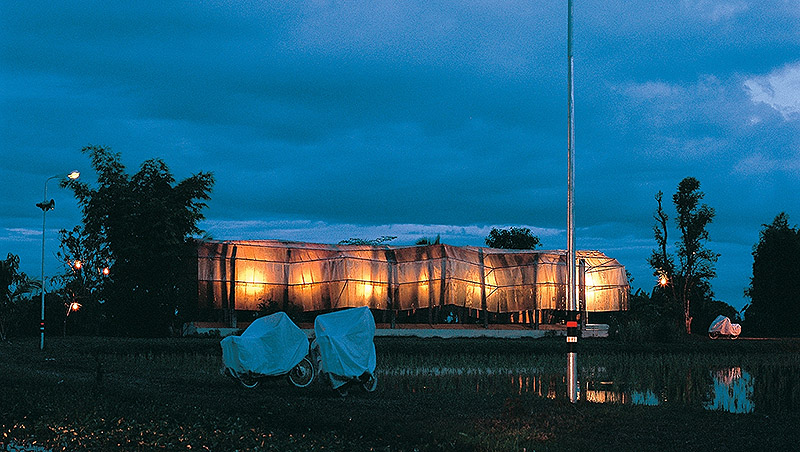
column 730, row 389
column 644, row 398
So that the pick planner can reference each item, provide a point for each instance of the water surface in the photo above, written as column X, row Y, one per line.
column 735, row 384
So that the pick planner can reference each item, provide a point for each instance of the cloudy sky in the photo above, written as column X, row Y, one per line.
column 324, row 120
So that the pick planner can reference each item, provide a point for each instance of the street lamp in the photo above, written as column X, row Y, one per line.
column 46, row 205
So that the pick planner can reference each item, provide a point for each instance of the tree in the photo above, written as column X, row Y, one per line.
column 14, row 286
column 774, row 289
column 660, row 259
column 428, row 241
column 85, row 279
column 141, row 226
column 689, row 281
column 512, row 238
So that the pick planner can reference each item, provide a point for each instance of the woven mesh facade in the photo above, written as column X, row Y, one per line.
column 241, row 274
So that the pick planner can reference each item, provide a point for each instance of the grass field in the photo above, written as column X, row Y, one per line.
column 168, row 394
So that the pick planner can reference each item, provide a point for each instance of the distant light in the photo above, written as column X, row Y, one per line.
column 78, row 264
column 663, row 280
column 74, row 175
column 105, row 271
column 74, row 306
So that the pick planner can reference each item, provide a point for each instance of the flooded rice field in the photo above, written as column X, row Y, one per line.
column 736, row 384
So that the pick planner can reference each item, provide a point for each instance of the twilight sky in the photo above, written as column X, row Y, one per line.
column 325, row 120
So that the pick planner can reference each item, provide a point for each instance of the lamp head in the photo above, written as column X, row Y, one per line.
column 74, row 175
column 46, row 205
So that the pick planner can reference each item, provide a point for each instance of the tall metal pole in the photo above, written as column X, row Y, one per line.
column 572, row 306
column 45, row 208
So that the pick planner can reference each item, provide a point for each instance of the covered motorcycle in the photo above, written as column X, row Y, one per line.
column 271, row 346
column 345, row 347
column 722, row 327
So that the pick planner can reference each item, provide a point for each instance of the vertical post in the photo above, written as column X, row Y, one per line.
column 223, row 277
column 287, row 278
column 391, row 258
column 44, row 218
column 582, row 293
column 232, row 296
column 45, row 206
column 430, row 285
column 443, row 284
column 572, row 326
column 483, row 290
column 535, row 295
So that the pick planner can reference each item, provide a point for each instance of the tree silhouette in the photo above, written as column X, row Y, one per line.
column 14, row 286
column 689, row 280
column 141, row 226
column 512, row 238
column 428, row 241
column 774, row 289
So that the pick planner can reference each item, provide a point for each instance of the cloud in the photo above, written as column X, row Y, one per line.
column 715, row 10
column 689, row 121
column 760, row 164
column 20, row 235
column 780, row 89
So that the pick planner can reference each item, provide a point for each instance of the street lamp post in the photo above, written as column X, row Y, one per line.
column 46, row 205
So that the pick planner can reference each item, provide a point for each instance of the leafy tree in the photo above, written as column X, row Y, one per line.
column 428, row 241
column 774, row 290
column 84, row 280
column 14, row 286
column 689, row 280
column 512, row 238
column 660, row 259
column 141, row 227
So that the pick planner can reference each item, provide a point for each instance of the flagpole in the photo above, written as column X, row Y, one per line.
column 572, row 306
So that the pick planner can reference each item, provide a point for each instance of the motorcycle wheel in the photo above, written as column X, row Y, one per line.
column 302, row 374
column 371, row 384
column 248, row 381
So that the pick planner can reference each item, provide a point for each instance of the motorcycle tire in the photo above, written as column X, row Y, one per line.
column 302, row 374
column 371, row 384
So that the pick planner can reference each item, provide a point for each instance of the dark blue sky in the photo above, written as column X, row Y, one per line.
column 325, row 120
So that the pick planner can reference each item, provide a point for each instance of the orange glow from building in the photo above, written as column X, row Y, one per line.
column 254, row 283
column 306, row 278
